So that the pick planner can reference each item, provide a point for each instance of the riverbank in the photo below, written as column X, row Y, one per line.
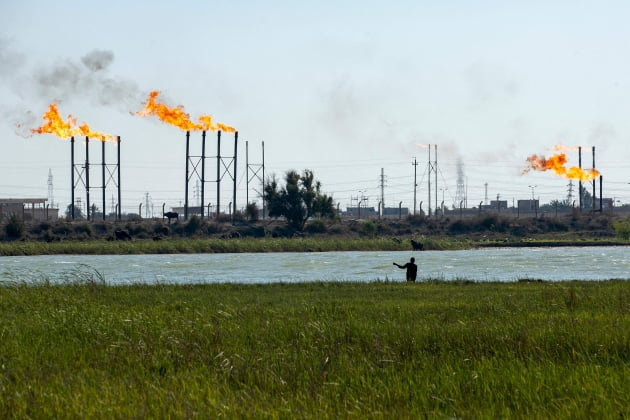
column 261, row 245
column 319, row 350
column 155, row 236
column 213, row 245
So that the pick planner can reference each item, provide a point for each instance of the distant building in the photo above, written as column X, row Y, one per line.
column 393, row 212
column 361, row 212
column 27, row 209
column 527, row 206
column 372, row 213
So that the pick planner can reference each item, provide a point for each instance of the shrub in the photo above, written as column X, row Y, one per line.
column 84, row 229
column 384, row 229
column 62, row 229
column 459, row 226
column 193, row 225
column 622, row 229
column 212, row 228
column 138, row 229
column 14, row 227
column 416, row 220
column 41, row 227
column 48, row 236
column 161, row 229
column 489, row 222
column 101, row 227
column 368, row 228
column 316, row 226
column 254, row 231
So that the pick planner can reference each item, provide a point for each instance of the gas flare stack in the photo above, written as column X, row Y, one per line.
column 80, row 175
column 196, row 169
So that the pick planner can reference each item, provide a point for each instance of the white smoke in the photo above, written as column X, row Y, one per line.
column 88, row 78
column 98, row 60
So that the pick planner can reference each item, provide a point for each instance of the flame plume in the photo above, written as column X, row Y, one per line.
column 174, row 116
column 55, row 124
column 86, row 131
column 178, row 117
column 226, row 128
column 207, row 124
column 557, row 163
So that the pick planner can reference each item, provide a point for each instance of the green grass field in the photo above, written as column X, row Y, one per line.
column 321, row 350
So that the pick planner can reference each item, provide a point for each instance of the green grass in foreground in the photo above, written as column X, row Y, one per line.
column 322, row 350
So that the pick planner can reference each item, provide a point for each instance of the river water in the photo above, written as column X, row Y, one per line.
column 496, row 264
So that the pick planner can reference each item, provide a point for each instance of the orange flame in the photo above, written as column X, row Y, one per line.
column 55, row 124
column 174, row 116
column 178, row 117
column 207, row 124
column 86, row 131
column 557, row 163
column 226, row 128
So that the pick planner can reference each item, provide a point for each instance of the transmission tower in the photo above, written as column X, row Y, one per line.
column 570, row 193
column 382, row 186
column 415, row 184
column 147, row 205
column 433, row 168
column 51, row 199
column 197, row 194
column 460, row 194
column 255, row 171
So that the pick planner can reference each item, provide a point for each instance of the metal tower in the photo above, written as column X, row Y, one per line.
column 51, row 199
column 460, row 194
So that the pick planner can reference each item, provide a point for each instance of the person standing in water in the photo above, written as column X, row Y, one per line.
column 412, row 269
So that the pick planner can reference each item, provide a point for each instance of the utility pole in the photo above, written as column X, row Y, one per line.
column 415, row 183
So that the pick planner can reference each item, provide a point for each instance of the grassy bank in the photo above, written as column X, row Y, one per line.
column 322, row 350
column 320, row 244
column 213, row 245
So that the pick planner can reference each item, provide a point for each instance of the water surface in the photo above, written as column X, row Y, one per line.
column 502, row 264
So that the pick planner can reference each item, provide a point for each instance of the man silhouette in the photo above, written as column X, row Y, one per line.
column 412, row 269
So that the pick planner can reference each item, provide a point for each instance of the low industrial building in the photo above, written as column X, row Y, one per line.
column 27, row 209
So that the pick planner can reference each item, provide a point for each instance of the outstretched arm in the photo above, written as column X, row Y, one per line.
column 399, row 266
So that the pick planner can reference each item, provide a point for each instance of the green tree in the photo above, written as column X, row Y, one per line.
column 300, row 199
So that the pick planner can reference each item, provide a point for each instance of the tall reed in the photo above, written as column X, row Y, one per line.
column 316, row 350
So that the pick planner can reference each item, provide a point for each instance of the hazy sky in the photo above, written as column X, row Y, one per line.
column 344, row 88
